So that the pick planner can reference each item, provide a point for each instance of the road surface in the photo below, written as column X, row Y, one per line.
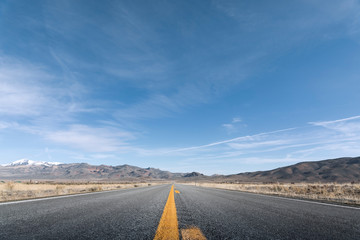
column 136, row 213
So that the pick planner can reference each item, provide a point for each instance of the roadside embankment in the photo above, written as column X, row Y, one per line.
column 345, row 193
column 11, row 191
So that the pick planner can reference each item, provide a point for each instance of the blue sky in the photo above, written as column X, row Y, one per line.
column 209, row 86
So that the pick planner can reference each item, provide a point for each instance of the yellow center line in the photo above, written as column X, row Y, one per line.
column 168, row 226
column 192, row 233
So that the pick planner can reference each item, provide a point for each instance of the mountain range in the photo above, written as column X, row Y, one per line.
column 27, row 162
column 333, row 170
column 28, row 169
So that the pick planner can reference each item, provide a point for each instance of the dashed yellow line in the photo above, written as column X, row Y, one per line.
column 168, row 226
column 192, row 233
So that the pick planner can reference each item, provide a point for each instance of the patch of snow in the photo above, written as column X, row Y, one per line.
column 27, row 162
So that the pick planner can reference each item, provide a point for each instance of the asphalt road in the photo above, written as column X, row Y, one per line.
column 224, row 214
column 135, row 214
column 124, row 214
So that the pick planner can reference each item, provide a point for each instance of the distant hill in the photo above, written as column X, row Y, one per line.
column 28, row 169
column 333, row 170
column 194, row 174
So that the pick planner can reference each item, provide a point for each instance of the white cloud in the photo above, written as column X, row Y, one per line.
column 258, row 160
column 103, row 156
column 163, row 105
column 236, row 120
column 22, row 88
column 258, row 144
column 320, row 140
column 33, row 101
column 234, row 126
column 29, row 90
column 324, row 123
column 4, row 125
column 243, row 138
column 92, row 139
column 308, row 15
column 346, row 148
column 348, row 126
column 229, row 127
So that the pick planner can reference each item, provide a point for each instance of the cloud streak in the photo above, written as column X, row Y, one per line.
column 22, row 88
column 91, row 139
column 312, row 142
column 231, row 140
column 325, row 123
column 120, row 79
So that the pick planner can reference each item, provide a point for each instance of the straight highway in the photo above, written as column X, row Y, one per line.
column 151, row 212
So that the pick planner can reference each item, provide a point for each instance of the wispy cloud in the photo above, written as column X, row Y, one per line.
column 308, row 15
column 313, row 142
column 309, row 21
column 325, row 123
column 103, row 156
column 243, row 138
column 171, row 82
column 30, row 90
column 258, row 144
column 234, row 126
column 164, row 105
column 34, row 101
column 348, row 126
column 4, row 125
column 91, row 139
column 90, row 79
column 236, row 120
column 22, row 88
column 230, row 128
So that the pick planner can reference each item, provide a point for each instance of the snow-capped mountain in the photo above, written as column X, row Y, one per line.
column 27, row 162
column 26, row 169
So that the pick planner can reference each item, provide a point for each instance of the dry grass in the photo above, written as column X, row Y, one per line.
column 333, row 192
column 10, row 191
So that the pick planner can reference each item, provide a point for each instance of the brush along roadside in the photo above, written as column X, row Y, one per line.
column 344, row 193
column 11, row 191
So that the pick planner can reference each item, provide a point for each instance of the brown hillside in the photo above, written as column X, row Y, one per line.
column 334, row 170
